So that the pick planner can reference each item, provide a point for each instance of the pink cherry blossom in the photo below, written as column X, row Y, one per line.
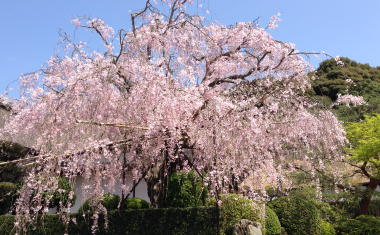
column 227, row 98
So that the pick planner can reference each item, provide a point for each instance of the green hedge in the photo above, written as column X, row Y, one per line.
column 364, row 224
column 272, row 224
column 166, row 221
column 297, row 216
column 111, row 202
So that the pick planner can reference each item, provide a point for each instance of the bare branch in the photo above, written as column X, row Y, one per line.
column 134, row 15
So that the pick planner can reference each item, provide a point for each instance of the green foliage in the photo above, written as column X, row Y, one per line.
column 358, row 113
column 327, row 228
column 326, row 212
column 11, row 151
column 61, row 194
column 165, row 221
column 365, row 138
column 363, row 224
column 332, row 78
column 136, row 203
column 7, row 191
column 185, row 191
column 65, row 187
column 297, row 215
column 8, row 195
column 111, row 202
column 283, row 231
column 272, row 224
column 234, row 208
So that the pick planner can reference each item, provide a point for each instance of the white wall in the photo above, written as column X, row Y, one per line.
column 141, row 192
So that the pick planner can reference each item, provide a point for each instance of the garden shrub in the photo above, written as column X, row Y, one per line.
column 62, row 196
column 8, row 195
column 283, row 231
column 185, row 190
column 136, row 203
column 236, row 207
column 7, row 191
column 111, row 202
column 327, row 228
column 272, row 224
column 164, row 221
column 364, row 224
column 326, row 212
column 296, row 215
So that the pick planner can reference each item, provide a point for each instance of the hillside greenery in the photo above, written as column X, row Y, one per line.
column 332, row 81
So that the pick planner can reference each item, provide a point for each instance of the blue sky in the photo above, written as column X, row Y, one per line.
column 29, row 29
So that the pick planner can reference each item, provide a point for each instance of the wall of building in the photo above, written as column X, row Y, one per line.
column 140, row 192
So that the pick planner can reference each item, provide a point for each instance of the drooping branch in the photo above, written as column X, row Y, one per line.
column 340, row 186
column 49, row 156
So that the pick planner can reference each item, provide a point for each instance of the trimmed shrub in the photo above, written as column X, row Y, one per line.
column 297, row 216
column 272, row 224
column 185, row 190
column 327, row 228
column 136, row 203
column 111, row 202
column 325, row 211
column 234, row 208
column 364, row 224
column 165, row 221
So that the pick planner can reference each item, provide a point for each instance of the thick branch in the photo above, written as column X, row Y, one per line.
column 232, row 78
column 364, row 170
column 122, row 125
column 283, row 58
column 192, row 165
column 196, row 114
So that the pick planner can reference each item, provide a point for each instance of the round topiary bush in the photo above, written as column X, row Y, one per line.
column 136, row 203
column 327, row 228
column 297, row 216
column 272, row 224
column 235, row 207
column 111, row 202
column 185, row 190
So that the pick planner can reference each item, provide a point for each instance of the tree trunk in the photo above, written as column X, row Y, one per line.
column 366, row 200
column 155, row 183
